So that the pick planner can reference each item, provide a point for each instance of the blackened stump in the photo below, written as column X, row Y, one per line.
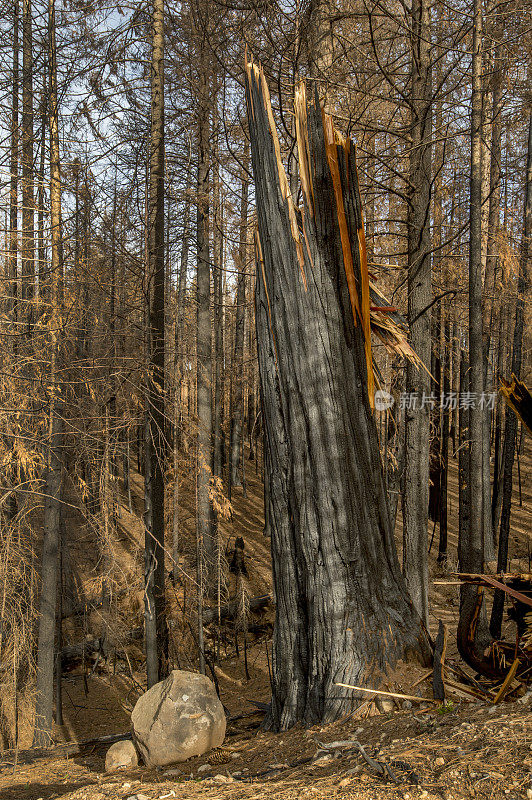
column 343, row 613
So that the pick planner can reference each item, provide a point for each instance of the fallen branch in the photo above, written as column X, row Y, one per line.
column 388, row 694
column 507, row 681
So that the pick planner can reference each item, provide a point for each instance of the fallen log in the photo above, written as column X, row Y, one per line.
column 74, row 653
column 230, row 610
column 10, row 758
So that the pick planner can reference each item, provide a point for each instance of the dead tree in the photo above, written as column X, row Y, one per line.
column 154, row 550
column 343, row 612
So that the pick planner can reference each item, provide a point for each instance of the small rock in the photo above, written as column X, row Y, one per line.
column 322, row 759
column 424, row 793
column 439, row 762
column 354, row 770
column 526, row 698
column 236, row 754
column 407, row 705
column 204, row 768
column 361, row 730
column 387, row 706
column 223, row 778
column 121, row 755
column 172, row 773
column 529, row 794
column 344, row 782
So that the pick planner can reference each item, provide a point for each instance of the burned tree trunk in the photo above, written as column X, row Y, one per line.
column 343, row 612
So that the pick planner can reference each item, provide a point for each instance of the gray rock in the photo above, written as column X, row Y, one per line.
column 121, row 755
column 223, row 779
column 178, row 718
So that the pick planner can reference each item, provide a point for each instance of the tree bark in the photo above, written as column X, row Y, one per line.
column 343, row 610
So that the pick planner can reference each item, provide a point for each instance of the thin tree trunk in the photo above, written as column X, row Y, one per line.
column 510, row 423
column 218, row 326
column 240, row 315
column 205, row 528
column 490, row 535
column 52, row 505
column 471, row 548
column 498, row 472
column 14, row 169
column 444, row 455
column 178, row 376
column 156, row 456
column 41, row 250
column 417, row 419
column 28, row 232
column 474, row 550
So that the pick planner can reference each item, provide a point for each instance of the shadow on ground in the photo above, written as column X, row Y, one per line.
column 32, row 791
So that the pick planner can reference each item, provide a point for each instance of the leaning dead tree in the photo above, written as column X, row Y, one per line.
column 343, row 613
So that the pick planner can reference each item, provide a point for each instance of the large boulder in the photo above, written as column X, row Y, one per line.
column 121, row 755
column 178, row 718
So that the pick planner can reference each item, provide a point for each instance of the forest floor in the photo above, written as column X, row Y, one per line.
column 469, row 749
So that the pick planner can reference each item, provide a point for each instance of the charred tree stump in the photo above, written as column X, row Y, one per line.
column 343, row 613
